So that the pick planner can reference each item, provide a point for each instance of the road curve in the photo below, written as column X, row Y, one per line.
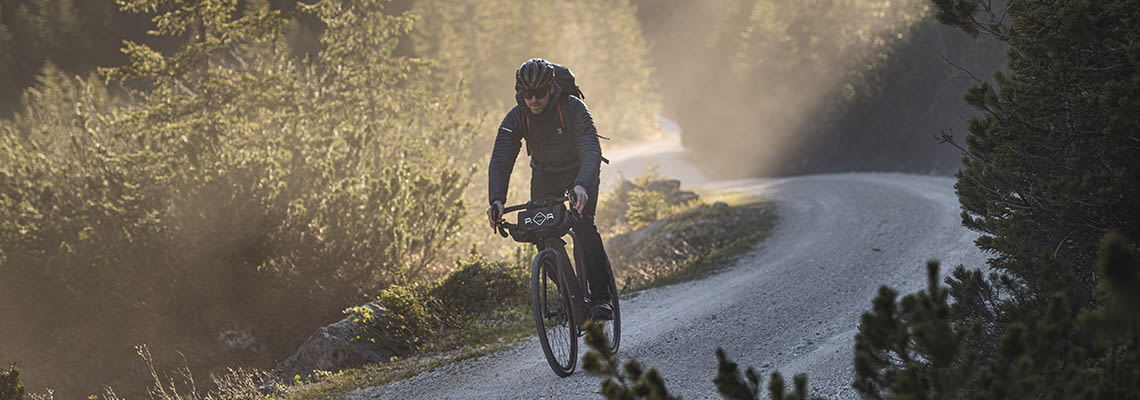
column 791, row 304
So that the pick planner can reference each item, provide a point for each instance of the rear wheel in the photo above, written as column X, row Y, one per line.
column 553, row 315
column 612, row 328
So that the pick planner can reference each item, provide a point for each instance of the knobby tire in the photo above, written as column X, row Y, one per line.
column 553, row 315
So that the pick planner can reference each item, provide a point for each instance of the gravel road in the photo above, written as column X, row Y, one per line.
column 791, row 304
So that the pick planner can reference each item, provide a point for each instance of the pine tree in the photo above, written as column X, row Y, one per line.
column 1051, row 165
column 1050, row 169
column 76, row 36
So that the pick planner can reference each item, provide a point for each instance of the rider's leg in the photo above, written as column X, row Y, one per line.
column 598, row 272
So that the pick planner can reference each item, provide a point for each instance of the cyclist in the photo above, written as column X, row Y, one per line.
column 561, row 160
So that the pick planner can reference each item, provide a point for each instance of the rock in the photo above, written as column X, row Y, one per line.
column 681, row 197
column 332, row 348
column 636, row 237
column 666, row 186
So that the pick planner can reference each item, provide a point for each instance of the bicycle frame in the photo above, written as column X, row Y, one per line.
column 571, row 281
column 571, row 275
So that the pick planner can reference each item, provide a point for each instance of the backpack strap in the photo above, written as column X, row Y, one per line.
column 561, row 121
column 526, row 134
column 604, row 159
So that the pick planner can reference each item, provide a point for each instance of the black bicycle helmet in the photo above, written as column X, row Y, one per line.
column 533, row 74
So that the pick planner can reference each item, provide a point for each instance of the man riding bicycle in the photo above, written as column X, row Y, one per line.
column 565, row 156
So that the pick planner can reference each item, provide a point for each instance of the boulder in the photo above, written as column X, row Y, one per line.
column 681, row 197
column 333, row 348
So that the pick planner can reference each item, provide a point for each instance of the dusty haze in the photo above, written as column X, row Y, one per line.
column 780, row 87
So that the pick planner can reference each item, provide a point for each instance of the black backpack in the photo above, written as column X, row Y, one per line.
column 565, row 79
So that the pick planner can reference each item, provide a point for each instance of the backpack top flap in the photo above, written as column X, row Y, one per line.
column 565, row 79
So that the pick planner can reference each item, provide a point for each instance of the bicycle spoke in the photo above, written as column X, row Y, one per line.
column 553, row 316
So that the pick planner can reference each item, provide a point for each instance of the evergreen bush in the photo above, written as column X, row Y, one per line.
column 475, row 289
column 234, row 188
column 632, row 381
column 10, row 386
column 1049, row 173
column 644, row 206
column 913, row 348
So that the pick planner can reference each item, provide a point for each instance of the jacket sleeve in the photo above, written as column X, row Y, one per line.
column 589, row 150
column 508, row 141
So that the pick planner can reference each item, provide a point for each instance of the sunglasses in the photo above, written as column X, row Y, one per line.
column 535, row 93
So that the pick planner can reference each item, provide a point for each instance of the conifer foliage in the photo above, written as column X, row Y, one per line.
column 911, row 345
column 1048, row 179
column 912, row 349
column 632, row 381
column 233, row 200
column 1051, row 165
column 10, row 386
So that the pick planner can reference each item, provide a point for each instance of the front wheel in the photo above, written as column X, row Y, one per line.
column 553, row 315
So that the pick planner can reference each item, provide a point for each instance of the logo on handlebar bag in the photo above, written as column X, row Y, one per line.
column 539, row 218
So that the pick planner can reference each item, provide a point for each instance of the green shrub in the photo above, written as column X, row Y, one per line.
column 645, row 207
column 10, row 386
column 415, row 312
column 238, row 188
column 408, row 317
column 479, row 285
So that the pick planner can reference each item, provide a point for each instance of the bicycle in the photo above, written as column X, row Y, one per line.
column 558, row 289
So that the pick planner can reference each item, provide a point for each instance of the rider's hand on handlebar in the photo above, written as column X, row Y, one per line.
column 579, row 199
column 495, row 214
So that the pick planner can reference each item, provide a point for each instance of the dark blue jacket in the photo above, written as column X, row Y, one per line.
column 552, row 149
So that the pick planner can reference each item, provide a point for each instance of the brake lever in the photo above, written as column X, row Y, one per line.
column 496, row 213
column 573, row 197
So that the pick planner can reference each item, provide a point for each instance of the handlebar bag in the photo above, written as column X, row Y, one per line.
column 537, row 224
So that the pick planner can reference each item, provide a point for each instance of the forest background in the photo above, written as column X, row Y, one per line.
column 224, row 184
